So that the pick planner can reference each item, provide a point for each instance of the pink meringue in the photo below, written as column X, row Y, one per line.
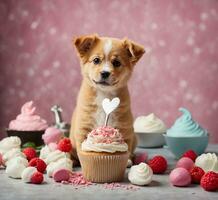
column 52, row 135
column 180, row 177
column 28, row 120
column 186, row 163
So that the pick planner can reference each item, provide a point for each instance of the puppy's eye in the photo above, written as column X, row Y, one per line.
column 116, row 63
column 96, row 61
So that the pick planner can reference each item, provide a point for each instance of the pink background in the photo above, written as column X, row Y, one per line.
column 38, row 62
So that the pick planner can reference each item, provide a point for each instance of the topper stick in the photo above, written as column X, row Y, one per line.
column 106, row 119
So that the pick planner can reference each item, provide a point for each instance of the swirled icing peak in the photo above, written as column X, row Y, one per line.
column 140, row 174
column 105, row 139
column 149, row 124
column 28, row 120
column 208, row 162
column 185, row 126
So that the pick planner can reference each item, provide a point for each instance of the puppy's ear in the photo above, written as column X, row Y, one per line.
column 134, row 50
column 85, row 43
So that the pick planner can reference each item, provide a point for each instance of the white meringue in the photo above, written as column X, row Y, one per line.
column 15, row 168
column 44, row 152
column 64, row 163
column 140, row 174
column 19, row 159
column 9, row 143
column 55, row 156
column 208, row 162
column 12, row 154
column 27, row 173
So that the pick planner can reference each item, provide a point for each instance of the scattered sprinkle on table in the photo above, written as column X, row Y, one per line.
column 114, row 186
column 78, row 181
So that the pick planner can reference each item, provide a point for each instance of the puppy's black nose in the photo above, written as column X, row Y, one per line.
column 105, row 74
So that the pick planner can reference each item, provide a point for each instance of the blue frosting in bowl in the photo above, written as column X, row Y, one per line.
column 185, row 126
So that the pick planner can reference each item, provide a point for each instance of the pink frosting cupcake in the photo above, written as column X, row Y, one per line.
column 28, row 125
column 28, row 120
column 103, row 155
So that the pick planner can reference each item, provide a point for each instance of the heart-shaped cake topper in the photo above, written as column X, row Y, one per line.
column 110, row 106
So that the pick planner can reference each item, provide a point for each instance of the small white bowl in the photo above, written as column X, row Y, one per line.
column 150, row 140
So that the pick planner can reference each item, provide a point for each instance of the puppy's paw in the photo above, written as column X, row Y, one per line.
column 129, row 163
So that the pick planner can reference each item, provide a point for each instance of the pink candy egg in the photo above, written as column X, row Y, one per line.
column 186, row 163
column 61, row 175
column 180, row 177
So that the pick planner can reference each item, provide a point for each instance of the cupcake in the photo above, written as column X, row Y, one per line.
column 28, row 125
column 103, row 155
column 186, row 134
column 149, row 130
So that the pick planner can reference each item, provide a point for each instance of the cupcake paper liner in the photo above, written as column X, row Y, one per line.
column 103, row 167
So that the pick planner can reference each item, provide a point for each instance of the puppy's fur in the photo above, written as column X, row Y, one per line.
column 117, row 57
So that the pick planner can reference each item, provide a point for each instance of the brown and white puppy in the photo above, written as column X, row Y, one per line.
column 106, row 66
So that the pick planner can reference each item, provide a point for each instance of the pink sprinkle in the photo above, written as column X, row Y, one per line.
column 106, row 134
column 113, row 186
column 78, row 181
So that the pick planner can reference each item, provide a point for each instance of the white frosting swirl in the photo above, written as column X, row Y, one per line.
column 64, row 163
column 44, row 152
column 140, row 174
column 149, row 124
column 19, row 159
column 12, row 154
column 104, row 139
column 88, row 145
column 9, row 143
column 55, row 156
column 15, row 168
column 208, row 162
column 27, row 174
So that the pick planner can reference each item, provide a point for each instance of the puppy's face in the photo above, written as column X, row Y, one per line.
column 107, row 63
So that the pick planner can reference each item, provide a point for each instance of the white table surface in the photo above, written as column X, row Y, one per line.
column 160, row 188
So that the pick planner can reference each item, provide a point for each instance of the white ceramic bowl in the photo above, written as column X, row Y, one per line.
column 150, row 140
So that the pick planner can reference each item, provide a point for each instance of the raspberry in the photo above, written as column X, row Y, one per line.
column 38, row 163
column 209, row 181
column 140, row 157
column 158, row 164
column 30, row 153
column 65, row 145
column 37, row 178
column 196, row 174
column 190, row 154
